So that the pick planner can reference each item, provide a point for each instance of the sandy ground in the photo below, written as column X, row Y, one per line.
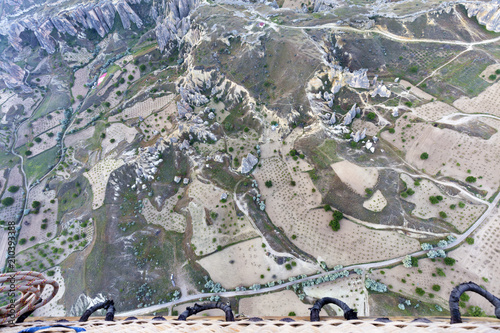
column 278, row 304
column 81, row 77
column 157, row 121
column 79, row 137
column 349, row 290
column 143, row 109
column 360, row 125
column 295, row 210
column 461, row 218
column 223, row 231
column 450, row 152
column 52, row 309
column 98, row 178
column 376, row 203
column 59, row 248
column 356, row 177
column 480, row 260
column 80, row 57
column 8, row 213
column 32, row 223
column 434, row 111
column 485, row 102
column 47, row 142
column 166, row 218
column 416, row 91
column 119, row 132
column 489, row 71
column 4, row 96
column 46, row 123
column 243, row 264
column 16, row 100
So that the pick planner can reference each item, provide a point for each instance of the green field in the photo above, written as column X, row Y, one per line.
column 40, row 164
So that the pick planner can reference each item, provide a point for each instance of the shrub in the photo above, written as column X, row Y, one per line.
column 130, row 77
column 293, row 183
column 461, row 204
column 436, row 287
column 449, row 261
column 424, row 156
column 443, row 215
column 475, row 311
column 51, row 273
column 327, row 208
column 269, row 183
column 288, row 267
column 13, row 189
column 464, row 297
column 294, row 236
column 368, row 191
column 371, row 116
column 440, row 272
column 404, row 194
column 492, row 77
column 420, row 291
column 79, row 97
column 469, row 240
column 470, row 179
column 142, row 67
column 497, row 71
column 32, row 238
column 439, row 197
column 37, row 140
column 410, row 191
column 335, row 225
column 112, row 140
column 291, row 314
column 413, row 69
column 35, row 204
column 28, row 153
column 22, row 241
column 392, row 130
column 433, row 200
column 8, row 201
column 453, row 206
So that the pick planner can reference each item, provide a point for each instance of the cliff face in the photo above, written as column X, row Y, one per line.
column 99, row 17
column 173, row 22
column 487, row 14
column 13, row 76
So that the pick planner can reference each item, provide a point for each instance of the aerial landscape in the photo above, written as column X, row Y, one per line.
column 264, row 154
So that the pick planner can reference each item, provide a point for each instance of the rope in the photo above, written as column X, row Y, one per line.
column 469, row 286
column 30, row 285
column 207, row 306
column 109, row 305
column 349, row 314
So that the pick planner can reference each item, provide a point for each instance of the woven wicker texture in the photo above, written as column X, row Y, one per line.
column 211, row 325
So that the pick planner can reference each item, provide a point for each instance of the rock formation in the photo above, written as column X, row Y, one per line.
column 487, row 13
column 248, row 163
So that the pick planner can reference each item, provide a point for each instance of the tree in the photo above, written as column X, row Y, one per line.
column 37, row 140
column 424, row 156
column 436, row 287
column 327, row 208
column 470, row 179
column 371, row 116
column 130, row 77
column 443, row 215
column 492, row 77
column 35, row 204
column 449, row 261
column 13, row 189
column 269, row 183
column 392, row 130
column 22, row 241
column 79, row 97
column 28, row 153
column 420, row 291
column 335, row 225
column 291, row 314
column 142, row 67
column 469, row 240
column 433, row 200
column 8, row 201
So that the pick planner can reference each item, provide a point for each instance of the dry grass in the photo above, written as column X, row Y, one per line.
column 279, row 304
column 98, row 178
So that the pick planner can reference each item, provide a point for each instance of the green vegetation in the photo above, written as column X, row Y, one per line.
column 13, row 189
column 449, row 261
column 8, row 201
column 469, row 240
column 470, row 179
column 461, row 204
column 291, row 314
column 335, row 223
column 269, row 183
column 436, row 287
column 475, row 311
column 371, row 116
column 440, row 272
column 442, row 215
column 420, row 291
column 392, row 130
column 39, row 165
column 433, row 200
column 492, row 77
column 22, row 241
column 424, row 156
